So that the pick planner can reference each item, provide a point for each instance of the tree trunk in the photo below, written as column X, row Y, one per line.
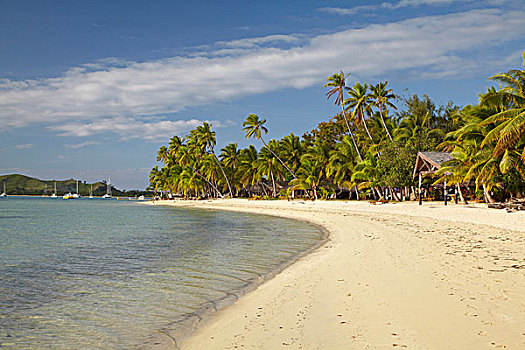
column 366, row 127
column 223, row 173
column 279, row 159
column 351, row 133
column 383, row 121
column 394, row 195
column 273, row 183
column 377, row 194
column 356, row 192
column 488, row 197
column 264, row 189
column 463, row 200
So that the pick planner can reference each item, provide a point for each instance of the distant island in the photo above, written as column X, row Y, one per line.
column 17, row 184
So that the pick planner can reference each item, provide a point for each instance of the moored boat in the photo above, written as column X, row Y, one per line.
column 4, row 194
column 68, row 196
column 108, row 194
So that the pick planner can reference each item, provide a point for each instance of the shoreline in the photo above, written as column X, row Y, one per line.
column 180, row 330
column 347, row 293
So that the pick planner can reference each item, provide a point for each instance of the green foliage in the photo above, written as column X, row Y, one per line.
column 369, row 143
column 396, row 164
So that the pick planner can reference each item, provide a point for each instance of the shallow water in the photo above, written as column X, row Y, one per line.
column 107, row 274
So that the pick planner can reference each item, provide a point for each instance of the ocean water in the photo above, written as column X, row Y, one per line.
column 107, row 274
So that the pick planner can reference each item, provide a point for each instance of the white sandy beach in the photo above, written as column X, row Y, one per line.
column 391, row 276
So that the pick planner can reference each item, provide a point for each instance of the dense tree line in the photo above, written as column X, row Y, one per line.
column 367, row 149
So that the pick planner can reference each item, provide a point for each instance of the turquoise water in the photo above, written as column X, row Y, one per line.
column 107, row 274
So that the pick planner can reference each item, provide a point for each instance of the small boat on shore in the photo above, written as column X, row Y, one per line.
column 68, row 196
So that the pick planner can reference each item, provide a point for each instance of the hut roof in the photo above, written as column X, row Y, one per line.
column 429, row 162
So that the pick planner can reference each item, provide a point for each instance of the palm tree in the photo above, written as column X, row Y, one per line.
column 253, row 126
column 381, row 96
column 367, row 174
column 175, row 143
column 359, row 101
column 341, row 164
column 248, row 163
column 186, row 158
column 291, row 149
column 510, row 116
column 338, row 83
column 269, row 167
column 206, row 138
column 229, row 157
column 162, row 155
column 310, row 176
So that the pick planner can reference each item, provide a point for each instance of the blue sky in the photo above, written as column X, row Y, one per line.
column 92, row 89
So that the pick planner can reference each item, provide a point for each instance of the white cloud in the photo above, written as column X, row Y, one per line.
column 24, row 146
column 348, row 11
column 121, row 97
column 83, row 144
column 128, row 128
column 388, row 5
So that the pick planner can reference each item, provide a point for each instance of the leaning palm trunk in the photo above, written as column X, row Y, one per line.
column 351, row 133
column 463, row 200
column 280, row 160
column 205, row 179
column 223, row 173
column 383, row 121
column 273, row 183
column 488, row 197
column 394, row 194
column 364, row 123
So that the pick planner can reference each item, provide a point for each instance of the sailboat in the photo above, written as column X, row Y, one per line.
column 4, row 194
column 91, row 192
column 45, row 191
column 108, row 194
column 76, row 195
column 54, row 195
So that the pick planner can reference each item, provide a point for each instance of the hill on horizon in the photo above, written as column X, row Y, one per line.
column 22, row 184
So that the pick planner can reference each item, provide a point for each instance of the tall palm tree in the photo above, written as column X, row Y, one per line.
column 359, row 101
column 381, row 96
column 337, row 82
column 253, row 127
column 206, row 137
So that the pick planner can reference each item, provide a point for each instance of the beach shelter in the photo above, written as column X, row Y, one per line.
column 427, row 163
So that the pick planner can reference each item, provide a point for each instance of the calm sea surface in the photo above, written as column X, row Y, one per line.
column 107, row 274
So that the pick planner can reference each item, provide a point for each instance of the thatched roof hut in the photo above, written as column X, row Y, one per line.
column 428, row 162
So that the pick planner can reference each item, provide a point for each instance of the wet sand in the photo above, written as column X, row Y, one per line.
column 391, row 276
